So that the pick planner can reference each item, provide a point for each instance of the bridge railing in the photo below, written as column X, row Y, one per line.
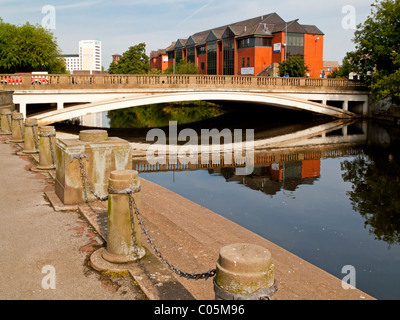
column 53, row 81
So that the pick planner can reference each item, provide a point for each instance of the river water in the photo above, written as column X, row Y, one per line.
column 326, row 191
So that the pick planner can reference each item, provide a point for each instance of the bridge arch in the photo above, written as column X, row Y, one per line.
column 130, row 100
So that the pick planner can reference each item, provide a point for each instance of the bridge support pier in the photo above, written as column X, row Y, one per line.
column 22, row 109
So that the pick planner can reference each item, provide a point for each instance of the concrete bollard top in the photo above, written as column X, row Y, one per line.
column 93, row 135
column 17, row 116
column 6, row 111
column 246, row 258
column 244, row 268
column 124, row 179
column 31, row 121
column 47, row 130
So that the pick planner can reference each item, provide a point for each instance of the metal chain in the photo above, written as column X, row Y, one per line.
column 8, row 116
column 134, row 211
column 20, row 127
column 150, row 240
column 85, row 181
column 35, row 138
column 50, row 135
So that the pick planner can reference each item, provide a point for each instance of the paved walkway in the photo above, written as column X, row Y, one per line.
column 33, row 235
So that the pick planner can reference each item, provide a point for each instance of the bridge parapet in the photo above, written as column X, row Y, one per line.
column 98, row 82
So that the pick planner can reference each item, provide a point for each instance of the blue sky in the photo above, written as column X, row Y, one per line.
column 120, row 24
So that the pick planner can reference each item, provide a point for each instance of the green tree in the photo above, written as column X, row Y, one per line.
column 376, row 56
column 343, row 71
column 28, row 48
column 133, row 61
column 183, row 67
column 293, row 67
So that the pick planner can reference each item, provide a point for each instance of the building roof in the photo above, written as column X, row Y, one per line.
column 311, row 29
column 265, row 25
column 331, row 64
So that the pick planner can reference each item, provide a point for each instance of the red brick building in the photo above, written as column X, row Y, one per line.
column 250, row 47
column 159, row 58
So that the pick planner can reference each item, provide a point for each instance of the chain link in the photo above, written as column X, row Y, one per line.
column 8, row 116
column 150, row 240
column 35, row 138
column 134, row 211
column 86, row 182
column 20, row 127
column 53, row 154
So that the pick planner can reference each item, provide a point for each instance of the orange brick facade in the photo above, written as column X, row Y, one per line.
column 247, row 47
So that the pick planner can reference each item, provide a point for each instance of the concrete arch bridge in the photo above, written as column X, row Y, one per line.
column 69, row 96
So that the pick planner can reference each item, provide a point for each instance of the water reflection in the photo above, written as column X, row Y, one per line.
column 375, row 194
column 327, row 191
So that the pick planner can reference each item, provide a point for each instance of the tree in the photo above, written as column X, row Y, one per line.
column 183, row 67
column 133, row 61
column 377, row 55
column 293, row 67
column 343, row 71
column 28, row 48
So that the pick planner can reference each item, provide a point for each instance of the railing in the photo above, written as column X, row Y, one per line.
column 29, row 82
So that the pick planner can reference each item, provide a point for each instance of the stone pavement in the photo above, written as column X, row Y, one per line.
column 33, row 235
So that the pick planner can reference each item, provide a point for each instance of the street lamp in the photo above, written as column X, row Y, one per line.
column 285, row 44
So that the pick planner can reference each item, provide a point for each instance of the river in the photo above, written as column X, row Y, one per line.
column 326, row 191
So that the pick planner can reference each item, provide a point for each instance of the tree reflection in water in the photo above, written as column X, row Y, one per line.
column 375, row 194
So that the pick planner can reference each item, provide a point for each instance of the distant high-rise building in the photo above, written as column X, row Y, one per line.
column 90, row 53
column 88, row 59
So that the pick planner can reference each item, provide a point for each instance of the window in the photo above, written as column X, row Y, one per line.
column 201, row 50
column 263, row 42
column 248, row 61
column 246, row 43
column 212, row 57
column 243, row 62
column 179, row 55
column 171, row 55
column 229, row 56
column 295, row 44
column 191, row 54
column 295, row 40
column 203, row 66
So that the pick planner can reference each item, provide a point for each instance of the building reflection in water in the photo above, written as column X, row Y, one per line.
column 270, row 179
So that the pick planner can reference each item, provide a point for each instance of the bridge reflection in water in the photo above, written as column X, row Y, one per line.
column 277, row 159
column 332, row 197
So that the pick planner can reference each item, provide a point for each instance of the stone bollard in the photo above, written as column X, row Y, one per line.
column 17, row 127
column 47, row 143
column 93, row 156
column 124, row 242
column 244, row 272
column 31, row 141
column 5, row 122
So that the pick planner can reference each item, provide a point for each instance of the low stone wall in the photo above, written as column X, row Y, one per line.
column 385, row 110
